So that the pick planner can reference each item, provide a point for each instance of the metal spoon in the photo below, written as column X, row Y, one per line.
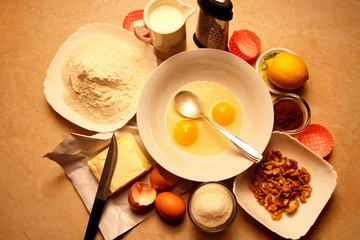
column 189, row 105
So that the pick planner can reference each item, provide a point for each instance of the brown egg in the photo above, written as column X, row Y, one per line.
column 170, row 205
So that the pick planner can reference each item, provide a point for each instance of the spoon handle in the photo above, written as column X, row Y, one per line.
column 245, row 148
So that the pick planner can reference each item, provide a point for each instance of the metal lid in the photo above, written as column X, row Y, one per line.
column 219, row 9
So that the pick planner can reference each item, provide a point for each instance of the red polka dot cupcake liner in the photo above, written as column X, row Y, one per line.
column 317, row 138
column 245, row 44
column 132, row 17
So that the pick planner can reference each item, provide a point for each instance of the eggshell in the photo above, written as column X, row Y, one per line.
column 161, row 178
column 170, row 205
column 141, row 196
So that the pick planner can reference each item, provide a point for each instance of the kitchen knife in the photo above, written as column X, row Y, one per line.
column 103, row 189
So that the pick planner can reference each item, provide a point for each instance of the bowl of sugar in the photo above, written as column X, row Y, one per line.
column 212, row 207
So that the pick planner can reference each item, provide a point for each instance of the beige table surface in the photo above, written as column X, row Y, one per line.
column 38, row 201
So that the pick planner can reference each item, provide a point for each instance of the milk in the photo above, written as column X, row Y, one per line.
column 166, row 19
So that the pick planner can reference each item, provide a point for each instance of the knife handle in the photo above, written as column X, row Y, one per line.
column 95, row 215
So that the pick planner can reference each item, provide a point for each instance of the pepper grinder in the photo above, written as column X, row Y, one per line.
column 212, row 30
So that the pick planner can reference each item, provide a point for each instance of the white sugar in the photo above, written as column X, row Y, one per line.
column 211, row 205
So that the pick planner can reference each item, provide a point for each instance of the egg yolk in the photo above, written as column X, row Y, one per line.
column 223, row 113
column 186, row 132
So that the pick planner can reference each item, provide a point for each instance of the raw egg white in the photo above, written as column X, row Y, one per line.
column 197, row 136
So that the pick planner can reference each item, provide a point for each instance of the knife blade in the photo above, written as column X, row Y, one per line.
column 103, row 189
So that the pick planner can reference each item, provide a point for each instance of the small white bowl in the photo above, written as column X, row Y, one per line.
column 260, row 66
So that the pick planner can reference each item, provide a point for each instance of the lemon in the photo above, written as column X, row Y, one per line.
column 287, row 71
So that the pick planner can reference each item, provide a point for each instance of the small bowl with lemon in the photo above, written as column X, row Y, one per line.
column 282, row 70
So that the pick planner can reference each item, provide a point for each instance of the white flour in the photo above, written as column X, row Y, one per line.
column 103, row 78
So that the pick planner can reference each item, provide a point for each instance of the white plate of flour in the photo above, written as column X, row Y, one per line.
column 54, row 85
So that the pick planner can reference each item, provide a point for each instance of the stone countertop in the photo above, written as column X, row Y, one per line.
column 39, row 202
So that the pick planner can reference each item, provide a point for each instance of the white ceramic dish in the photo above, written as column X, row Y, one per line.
column 200, row 65
column 53, row 83
column 323, row 181
column 259, row 66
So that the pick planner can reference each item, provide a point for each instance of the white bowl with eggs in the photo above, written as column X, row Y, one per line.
column 215, row 67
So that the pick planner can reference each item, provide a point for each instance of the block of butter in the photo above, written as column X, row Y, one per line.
column 131, row 163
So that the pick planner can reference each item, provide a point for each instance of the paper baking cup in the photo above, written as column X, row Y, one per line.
column 317, row 138
column 132, row 17
column 245, row 44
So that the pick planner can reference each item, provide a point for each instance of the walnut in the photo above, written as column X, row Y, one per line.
column 274, row 171
column 279, row 185
column 276, row 215
column 293, row 205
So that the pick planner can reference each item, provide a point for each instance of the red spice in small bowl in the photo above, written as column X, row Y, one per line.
column 291, row 113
